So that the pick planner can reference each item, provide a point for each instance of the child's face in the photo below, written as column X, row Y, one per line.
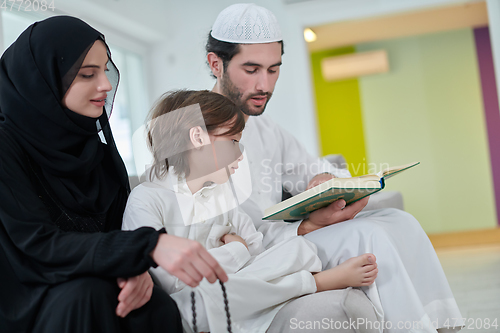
column 227, row 152
column 215, row 157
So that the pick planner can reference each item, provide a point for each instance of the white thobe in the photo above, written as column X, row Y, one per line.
column 260, row 281
column 411, row 285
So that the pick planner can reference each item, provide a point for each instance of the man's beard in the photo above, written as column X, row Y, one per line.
column 231, row 91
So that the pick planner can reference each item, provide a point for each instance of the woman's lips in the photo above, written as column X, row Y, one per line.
column 98, row 103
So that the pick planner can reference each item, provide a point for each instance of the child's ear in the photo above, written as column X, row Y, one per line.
column 197, row 137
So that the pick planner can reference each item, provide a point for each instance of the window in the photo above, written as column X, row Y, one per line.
column 130, row 108
column 131, row 103
column 13, row 23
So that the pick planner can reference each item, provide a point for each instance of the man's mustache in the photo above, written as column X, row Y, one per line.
column 267, row 94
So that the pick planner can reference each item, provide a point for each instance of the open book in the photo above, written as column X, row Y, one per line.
column 349, row 189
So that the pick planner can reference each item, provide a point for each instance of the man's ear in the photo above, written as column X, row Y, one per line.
column 197, row 137
column 215, row 64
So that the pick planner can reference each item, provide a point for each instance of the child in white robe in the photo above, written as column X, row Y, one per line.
column 194, row 139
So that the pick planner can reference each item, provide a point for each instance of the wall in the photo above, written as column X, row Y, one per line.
column 171, row 35
column 429, row 108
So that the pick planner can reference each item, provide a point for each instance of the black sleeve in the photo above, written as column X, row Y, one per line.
column 39, row 252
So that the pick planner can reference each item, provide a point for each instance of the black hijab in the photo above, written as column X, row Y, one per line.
column 35, row 73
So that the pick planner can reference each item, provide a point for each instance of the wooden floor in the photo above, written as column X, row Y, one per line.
column 474, row 276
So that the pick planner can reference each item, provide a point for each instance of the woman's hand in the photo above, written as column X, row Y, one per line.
column 232, row 237
column 187, row 259
column 135, row 292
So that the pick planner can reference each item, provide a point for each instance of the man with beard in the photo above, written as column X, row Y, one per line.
column 244, row 50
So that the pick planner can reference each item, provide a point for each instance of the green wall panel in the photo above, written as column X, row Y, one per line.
column 339, row 114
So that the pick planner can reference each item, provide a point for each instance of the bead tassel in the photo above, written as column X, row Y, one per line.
column 226, row 307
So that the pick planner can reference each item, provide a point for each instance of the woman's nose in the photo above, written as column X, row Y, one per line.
column 104, row 84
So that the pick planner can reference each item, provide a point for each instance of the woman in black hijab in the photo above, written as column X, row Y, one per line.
column 65, row 265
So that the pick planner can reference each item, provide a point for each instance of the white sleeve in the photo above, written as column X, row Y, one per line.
column 231, row 256
column 277, row 231
column 299, row 167
column 246, row 230
column 141, row 213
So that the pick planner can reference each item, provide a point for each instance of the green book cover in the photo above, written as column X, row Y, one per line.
column 349, row 189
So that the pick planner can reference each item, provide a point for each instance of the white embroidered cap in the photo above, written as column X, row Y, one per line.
column 246, row 23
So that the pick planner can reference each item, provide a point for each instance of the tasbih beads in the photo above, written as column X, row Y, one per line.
column 193, row 309
column 226, row 307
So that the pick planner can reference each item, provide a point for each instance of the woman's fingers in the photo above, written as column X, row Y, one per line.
column 125, row 299
column 194, row 273
column 121, row 282
column 214, row 267
column 204, row 268
column 142, row 296
column 186, row 259
column 136, row 292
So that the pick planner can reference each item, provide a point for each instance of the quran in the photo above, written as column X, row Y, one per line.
column 349, row 189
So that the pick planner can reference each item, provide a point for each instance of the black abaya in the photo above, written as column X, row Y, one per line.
column 62, row 196
column 87, row 305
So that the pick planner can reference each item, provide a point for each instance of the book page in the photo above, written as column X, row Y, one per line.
column 389, row 172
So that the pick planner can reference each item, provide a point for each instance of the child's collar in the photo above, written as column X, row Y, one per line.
column 179, row 185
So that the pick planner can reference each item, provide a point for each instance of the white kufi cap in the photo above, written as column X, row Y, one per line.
column 246, row 23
